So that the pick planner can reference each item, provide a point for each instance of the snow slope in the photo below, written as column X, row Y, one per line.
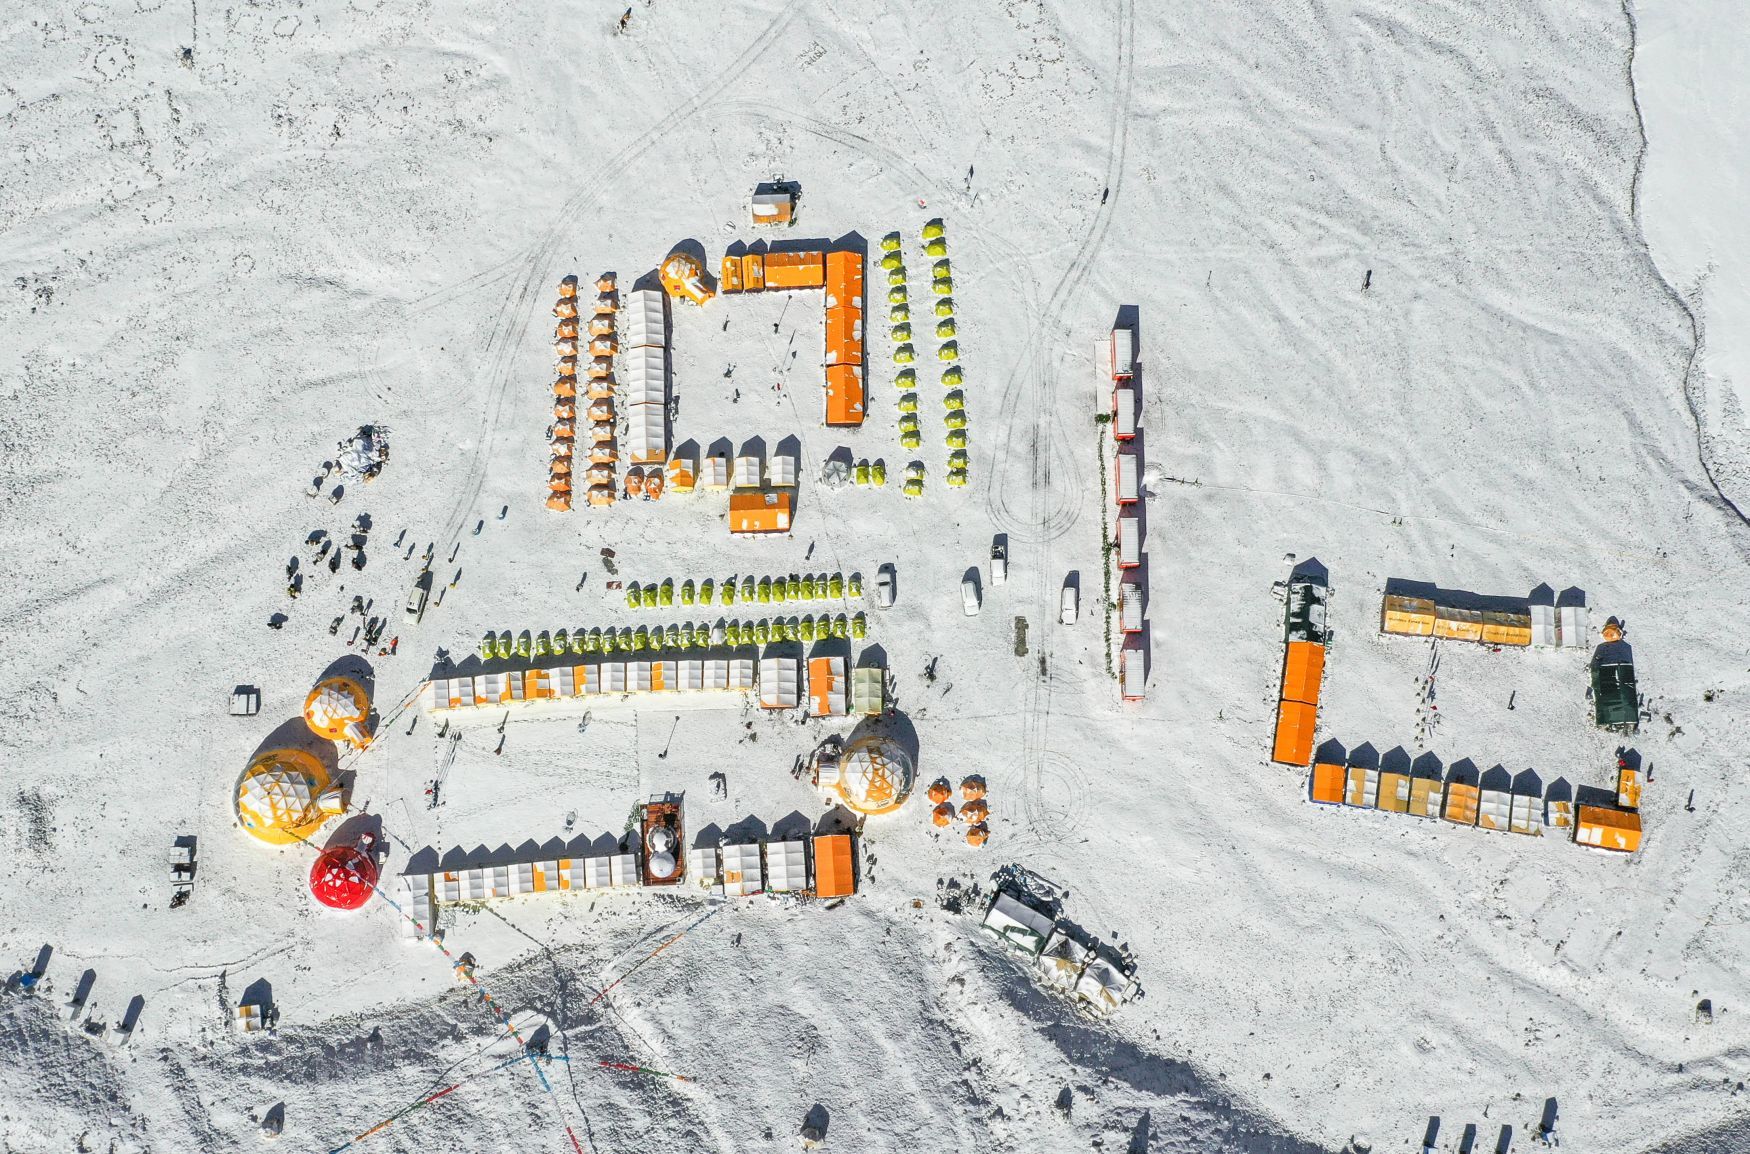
column 236, row 235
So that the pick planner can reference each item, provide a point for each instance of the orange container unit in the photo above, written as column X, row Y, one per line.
column 1303, row 668
column 1295, row 721
column 846, row 401
column 1462, row 803
column 753, row 272
column 759, row 511
column 795, row 270
column 1604, row 828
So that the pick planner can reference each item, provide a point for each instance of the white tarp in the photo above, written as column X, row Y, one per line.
column 786, row 866
column 1020, row 926
column 690, row 675
column 716, row 673
column 741, row 673
column 770, row 206
column 1525, row 817
column 597, row 873
column 623, row 869
column 1062, row 962
column 781, row 472
column 565, row 682
column 780, row 683
column 644, row 319
column 646, row 379
column 741, row 870
column 747, row 473
column 714, row 473
column 1129, row 542
column 613, row 674
column 637, row 677
column 647, row 434
column 1543, row 625
column 436, row 694
column 1129, row 478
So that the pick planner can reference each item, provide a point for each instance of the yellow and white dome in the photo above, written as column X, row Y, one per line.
column 284, row 796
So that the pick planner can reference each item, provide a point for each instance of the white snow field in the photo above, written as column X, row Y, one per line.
column 234, row 235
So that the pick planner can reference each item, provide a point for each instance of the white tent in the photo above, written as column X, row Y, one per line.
column 714, row 473
column 598, row 874
column 645, row 319
column 827, row 686
column 646, row 380
column 419, row 899
column 1494, row 809
column 1131, row 679
column 869, row 690
column 1572, row 625
column 613, row 675
column 786, row 866
column 716, row 673
column 1018, row 925
column 1543, row 625
column 741, row 671
column 665, row 675
column 637, row 677
column 623, row 870
column 782, row 471
column 589, row 680
column 690, row 677
column 747, row 473
column 1525, row 814
column 1124, row 413
column 704, row 866
column 1104, row 987
column 741, row 870
column 565, row 681
column 780, row 683
column 647, row 434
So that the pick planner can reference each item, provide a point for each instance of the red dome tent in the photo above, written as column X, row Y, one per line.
column 343, row 878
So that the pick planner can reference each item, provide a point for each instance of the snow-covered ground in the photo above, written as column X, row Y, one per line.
column 235, row 235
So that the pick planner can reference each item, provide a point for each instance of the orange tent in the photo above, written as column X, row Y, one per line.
column 565, row 308
column 844, row 336
column 943, row 815
column 834, row 869
column 601, row 367
column 601, row 432
column 565, row 388
column 600, row 475
column 759, row 511
column 653, row 484
column 844, row 279
column 603, row 453
column 601, row 327
column 600, row 388
column 1302, row 670
column 606, row 305
column 1295, row 721
column 1605, row 828
column 1462, row 803
column 972, row 788
column 564, row 411
column 561, row 467
column 604, row 283
column 603, row 346
column 846, row 398
column 975, row 811
column 568, row 286
column 601, row 495
column 940, row 792
column 567, row 329
column 560, row 502
column 567, row 367
column 559, row 484
column 794, row 270
column 634, row 482
column 1327, row 783
column 729, row 274
column 977, row 835
column 602, row 410
column 564, row 431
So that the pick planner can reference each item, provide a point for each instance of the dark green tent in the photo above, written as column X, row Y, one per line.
column 1613, row 694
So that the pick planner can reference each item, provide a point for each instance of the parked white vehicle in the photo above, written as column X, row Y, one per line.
column 999, row 562
column 885, row 582
column 1071, row 604
column 969, row 599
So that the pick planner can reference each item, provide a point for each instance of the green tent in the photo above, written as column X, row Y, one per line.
column 1614, row 699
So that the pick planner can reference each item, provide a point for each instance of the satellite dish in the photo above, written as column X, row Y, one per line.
column 662, row 840
column 662, row 864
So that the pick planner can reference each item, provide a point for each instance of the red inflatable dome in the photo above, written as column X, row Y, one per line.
column 343, row 878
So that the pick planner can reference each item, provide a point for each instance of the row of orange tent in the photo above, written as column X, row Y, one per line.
column 645, row 482
column 975, row 810
column 841, row 273
column 601, row 344
column 1303, row 667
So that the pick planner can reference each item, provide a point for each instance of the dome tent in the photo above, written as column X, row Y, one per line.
column 873, row 776
column 343, row 878
column 338, row 709
column 284, row 795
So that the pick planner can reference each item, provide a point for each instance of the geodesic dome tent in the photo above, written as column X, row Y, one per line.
column 284, row 795
column 343, row 878
column 873, row 776
column 337, row 709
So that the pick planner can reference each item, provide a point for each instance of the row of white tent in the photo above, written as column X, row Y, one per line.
column 778, row 681
column 781, row 472
column 644, row 319
column 1061, row 961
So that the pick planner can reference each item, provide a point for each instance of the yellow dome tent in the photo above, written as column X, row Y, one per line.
column 338, row 709
column 284, row 795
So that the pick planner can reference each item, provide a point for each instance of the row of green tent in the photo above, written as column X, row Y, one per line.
column 734, row 634
column 959, row 462
column 807, row 587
